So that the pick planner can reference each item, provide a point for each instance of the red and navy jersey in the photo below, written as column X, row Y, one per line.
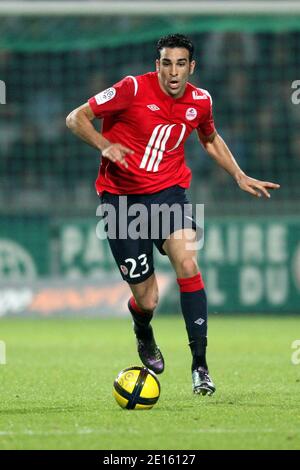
column 138, row 114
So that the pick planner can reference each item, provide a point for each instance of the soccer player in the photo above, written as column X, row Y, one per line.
column 146, row 121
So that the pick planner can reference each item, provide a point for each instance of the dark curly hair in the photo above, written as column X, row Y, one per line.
column 175, row 40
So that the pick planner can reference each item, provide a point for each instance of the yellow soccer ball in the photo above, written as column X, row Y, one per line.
column 136, row 388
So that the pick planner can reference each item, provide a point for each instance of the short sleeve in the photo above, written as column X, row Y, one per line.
column 113, row 99
column 207, row 125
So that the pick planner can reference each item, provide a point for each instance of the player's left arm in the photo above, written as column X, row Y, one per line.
column 218, row 151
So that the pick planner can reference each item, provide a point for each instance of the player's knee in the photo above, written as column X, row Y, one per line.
column 148, row 303
column 188, row 267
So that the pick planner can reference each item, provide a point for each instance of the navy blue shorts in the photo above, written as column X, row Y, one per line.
column 134, row 223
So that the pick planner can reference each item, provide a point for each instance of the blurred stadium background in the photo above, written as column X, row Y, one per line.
column 50, row 258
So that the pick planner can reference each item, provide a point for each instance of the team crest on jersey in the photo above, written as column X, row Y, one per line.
column 153, row 107
column 105, row 95
column 124, row 269
column 191, row 114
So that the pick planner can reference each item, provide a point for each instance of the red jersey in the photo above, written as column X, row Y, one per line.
column 139, row 115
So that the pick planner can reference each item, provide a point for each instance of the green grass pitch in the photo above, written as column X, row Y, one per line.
column 56, row 388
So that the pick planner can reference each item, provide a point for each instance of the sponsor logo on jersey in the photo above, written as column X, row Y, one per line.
column 153, row 107
column 105, row 95
column 191, row 114
column 199, row 97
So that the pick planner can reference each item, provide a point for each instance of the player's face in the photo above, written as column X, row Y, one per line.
column 174, row 68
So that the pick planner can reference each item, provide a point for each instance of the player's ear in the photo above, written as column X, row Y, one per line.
column 157, row 65
column 192, row 67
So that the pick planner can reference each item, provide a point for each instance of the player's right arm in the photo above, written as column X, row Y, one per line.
column 107, row 102
column 79, row 121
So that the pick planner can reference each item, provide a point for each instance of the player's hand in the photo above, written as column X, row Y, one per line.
column 117, row 153
column 255, row 187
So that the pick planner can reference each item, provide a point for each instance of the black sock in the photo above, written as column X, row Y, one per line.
column 198, row 350
column 141, row 319
column 194, row 309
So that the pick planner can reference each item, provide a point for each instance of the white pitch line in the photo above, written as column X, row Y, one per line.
column 29, row 432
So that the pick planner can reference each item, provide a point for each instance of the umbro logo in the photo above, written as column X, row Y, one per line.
column 199, row 97
column 153, row 107
column 200, row 321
